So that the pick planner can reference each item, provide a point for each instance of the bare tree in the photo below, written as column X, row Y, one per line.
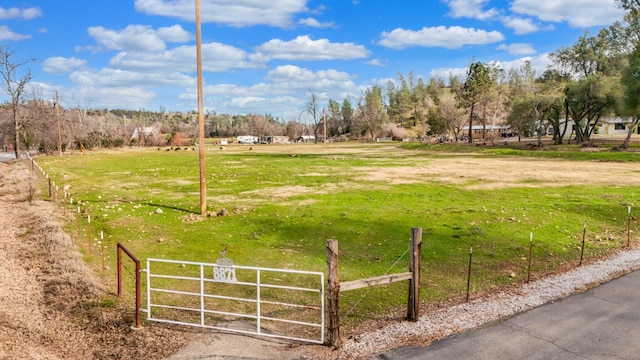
column 15, row 80
column 314, row 112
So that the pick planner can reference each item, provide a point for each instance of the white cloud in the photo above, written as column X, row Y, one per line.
column 8, row 34
column 470, row 9
column 61, row 65
column 577, row 13
column 294, row 78
column 216, row 57
column 281, row 92
column 174, row 34
column 311, row 22
column 15, row 13
column 248, row 102
column 120, row 78
column 521, row 26
column 237, row 13
column 539, row 63
column 447, row 37
column 141, row 38
column 111, row 97
column 304, row 48
column 517, row 49
column 377, row 62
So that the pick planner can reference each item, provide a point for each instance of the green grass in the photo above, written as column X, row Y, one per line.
column 282, row 209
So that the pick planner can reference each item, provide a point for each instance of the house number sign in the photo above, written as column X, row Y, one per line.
column 224, row 272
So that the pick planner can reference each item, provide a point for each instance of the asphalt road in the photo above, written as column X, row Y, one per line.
column 602, row 323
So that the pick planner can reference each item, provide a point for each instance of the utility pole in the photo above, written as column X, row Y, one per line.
column 324, row 121
column 58, row 116
column 203, row 179
column 203, row 186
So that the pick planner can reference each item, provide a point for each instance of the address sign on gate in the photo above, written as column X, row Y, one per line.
column 224, row 271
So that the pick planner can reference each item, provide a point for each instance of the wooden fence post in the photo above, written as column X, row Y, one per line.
column 414, row 268
column 333, row 319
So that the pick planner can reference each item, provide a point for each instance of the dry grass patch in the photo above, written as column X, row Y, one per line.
column 487, row 173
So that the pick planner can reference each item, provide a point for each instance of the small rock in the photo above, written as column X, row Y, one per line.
column 159, row 211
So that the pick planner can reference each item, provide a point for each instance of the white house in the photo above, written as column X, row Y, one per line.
column 306, row 138
column 247, row 139
column 613, row 126
column 606, row 126
column 148, row 135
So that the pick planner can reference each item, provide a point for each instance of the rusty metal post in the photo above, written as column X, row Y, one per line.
column 119, row 267
column 120, row 248
column 413, row 304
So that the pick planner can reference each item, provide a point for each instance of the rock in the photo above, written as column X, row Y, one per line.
column 223, row 212
column 159, row 211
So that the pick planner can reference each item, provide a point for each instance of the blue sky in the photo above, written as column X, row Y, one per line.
column 263, row 57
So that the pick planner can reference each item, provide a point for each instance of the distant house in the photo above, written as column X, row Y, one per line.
column 149, row 135
column 276, row 139
column 247, row 139
column 479, row 130
column 306, row 138
column 615, row 126
column 606, row 126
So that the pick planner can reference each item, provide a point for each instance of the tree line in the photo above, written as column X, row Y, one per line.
column 596, row 77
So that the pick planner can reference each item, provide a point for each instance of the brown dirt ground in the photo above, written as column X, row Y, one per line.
column 52, row 304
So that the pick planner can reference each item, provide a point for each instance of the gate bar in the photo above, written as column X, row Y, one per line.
column 121, row 248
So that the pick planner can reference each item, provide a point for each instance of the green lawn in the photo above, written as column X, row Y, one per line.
column 284, row 202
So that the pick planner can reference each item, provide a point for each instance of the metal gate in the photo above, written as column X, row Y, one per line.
column 280, row 303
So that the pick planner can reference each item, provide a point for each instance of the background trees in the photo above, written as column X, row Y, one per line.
column 370, row 114
column 475, row 92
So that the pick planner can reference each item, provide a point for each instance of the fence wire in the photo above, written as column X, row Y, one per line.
column 370, row 288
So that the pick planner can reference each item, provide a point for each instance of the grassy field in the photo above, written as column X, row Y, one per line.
column 282, row 202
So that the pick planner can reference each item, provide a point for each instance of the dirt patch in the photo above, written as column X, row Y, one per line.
column 53, row 305
column 486, row 173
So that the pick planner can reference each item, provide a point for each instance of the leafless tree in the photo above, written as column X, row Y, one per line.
column 15, row 76
column 314, row 112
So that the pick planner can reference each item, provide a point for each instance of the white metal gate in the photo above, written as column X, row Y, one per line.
column 280, row 303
